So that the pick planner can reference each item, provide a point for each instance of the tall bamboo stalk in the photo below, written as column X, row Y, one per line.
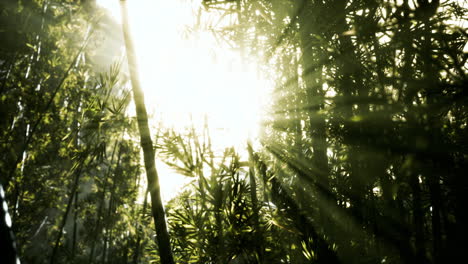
column 157, row 209
column 73, row 191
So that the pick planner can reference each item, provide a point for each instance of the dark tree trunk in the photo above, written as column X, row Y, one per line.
column 97, row 227
column 157, row 208
column 73, row 192
column 136, row 256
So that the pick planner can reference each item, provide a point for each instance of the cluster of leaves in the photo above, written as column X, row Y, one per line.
column 362, row 158
column 217, row 218
column 364, row 153
column 68, row 159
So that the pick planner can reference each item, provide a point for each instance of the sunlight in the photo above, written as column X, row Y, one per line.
column 188, row 75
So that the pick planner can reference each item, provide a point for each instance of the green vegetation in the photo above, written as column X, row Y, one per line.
column 361, row 158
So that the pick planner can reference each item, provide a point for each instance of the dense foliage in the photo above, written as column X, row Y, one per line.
column 70, row 172
column 360, row 160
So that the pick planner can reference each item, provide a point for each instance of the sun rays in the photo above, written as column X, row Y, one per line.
column 190, row 78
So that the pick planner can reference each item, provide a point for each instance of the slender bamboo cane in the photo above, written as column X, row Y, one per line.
column 157, row 209
column 73, row 192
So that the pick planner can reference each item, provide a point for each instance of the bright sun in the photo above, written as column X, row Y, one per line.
column 192, row 76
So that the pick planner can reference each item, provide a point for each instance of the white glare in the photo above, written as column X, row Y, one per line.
column 8, row 220
column 5, row 206
column 7, row 215
column 188, row 74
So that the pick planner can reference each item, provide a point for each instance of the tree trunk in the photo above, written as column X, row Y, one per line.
column 157, row 209
column 253, row 196
column 97, row 227
column 136, row 256
column 73, row 192
column 75, row 227
column 7, row 242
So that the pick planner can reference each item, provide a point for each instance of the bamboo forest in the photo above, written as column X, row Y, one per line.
column 233, row 131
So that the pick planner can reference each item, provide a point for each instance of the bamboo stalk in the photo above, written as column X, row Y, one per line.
column 157, row 209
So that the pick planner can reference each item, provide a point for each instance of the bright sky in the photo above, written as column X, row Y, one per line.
column 191, row 75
